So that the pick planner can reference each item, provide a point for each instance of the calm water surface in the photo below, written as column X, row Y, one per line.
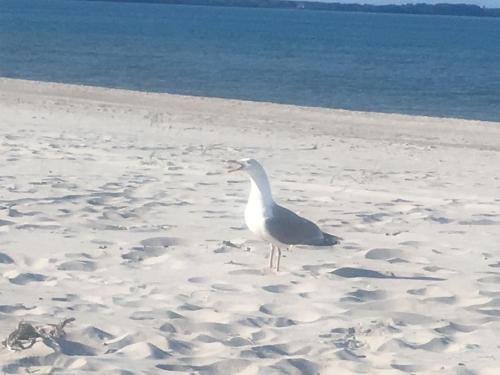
column 440, row 66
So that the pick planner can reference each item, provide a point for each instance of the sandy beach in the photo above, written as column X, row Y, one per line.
column 116, row 210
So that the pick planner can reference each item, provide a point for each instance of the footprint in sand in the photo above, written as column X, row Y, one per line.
column 254, row 272
column 159, row 242
column 150, row 247
column 290, row 312
column 279, row 288
column 261, row 321
column 10, row 309
column 389, row 255
column 267, row 351
column 78, row 265
column 5, row 259
column 363, row 295
column 5, row 223
column 236, row 342
column 434, row 293
column 353, row 272
column 223, row 287
column 181, row 347
column 319, row 269
column 198, row 280
column 436, row 345
column 452, row 328
column 26, row 278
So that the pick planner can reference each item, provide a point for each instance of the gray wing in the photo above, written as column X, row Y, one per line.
column 289, row 228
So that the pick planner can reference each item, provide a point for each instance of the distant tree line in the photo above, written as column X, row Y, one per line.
column 429, row 9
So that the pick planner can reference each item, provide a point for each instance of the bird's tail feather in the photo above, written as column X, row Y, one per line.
column 330, row 239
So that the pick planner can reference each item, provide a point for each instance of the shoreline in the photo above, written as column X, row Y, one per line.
column 111, row 94
column 340, row 121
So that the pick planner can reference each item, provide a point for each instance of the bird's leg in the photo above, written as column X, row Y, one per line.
column 271, row 256
column 278, row 262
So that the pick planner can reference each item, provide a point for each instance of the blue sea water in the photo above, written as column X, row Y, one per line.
column 429, row 65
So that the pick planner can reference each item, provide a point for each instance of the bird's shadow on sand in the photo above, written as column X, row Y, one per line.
column 352, row 272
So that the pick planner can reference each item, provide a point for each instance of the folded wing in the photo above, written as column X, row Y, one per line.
column 289, row 228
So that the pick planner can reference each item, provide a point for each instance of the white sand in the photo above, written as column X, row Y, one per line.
column 94, row 183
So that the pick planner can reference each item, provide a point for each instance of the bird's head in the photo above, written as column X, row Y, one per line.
column 255, row 172
column 246, row 165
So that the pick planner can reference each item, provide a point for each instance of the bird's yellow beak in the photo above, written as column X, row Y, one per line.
column 234, row 166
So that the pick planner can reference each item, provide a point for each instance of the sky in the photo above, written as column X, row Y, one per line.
column 487, row 3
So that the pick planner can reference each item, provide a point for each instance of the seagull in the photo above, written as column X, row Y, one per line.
column 275, row 224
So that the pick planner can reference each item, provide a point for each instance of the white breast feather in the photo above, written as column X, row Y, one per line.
column 255, row 215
